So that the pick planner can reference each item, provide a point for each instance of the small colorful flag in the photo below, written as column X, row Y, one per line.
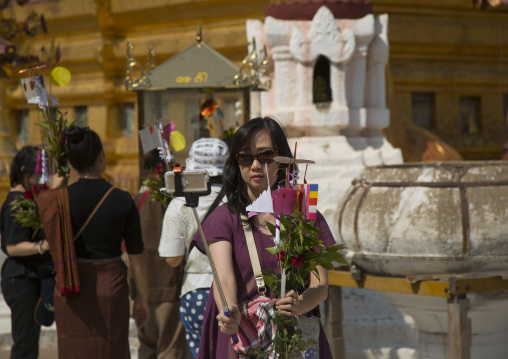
column 307, row 200
column 311, row 195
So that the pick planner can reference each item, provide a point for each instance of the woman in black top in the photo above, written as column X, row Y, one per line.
column 28, row 260
column 94, row 323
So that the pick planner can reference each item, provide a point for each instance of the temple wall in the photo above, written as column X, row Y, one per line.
column 448, row 49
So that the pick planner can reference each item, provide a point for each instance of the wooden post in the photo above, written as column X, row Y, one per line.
column 333, row 322
column 459, row 328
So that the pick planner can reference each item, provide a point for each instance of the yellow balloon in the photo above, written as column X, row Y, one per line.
column 60, row 76
column 177, row 141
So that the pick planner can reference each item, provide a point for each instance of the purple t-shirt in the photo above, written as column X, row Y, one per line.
column 222, row 225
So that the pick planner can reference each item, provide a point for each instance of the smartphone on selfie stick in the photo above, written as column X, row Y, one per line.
column 192, row 185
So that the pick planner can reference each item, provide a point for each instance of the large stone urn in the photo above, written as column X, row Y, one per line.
column 430, row 219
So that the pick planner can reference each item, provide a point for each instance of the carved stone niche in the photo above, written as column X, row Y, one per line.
column 326, row 81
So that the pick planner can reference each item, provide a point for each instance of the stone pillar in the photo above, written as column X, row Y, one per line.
column 355, row 77
column 278, row 34
column 299, row 47
column 377, row 114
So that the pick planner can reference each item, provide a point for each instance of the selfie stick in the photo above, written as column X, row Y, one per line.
column 192, row 202
column 225, row 307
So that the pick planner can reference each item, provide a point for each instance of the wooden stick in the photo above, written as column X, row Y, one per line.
column 216, row 279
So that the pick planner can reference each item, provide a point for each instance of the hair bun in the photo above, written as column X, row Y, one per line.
column 74, row 134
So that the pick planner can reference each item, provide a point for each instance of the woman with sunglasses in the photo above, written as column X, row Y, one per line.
column 249, row 170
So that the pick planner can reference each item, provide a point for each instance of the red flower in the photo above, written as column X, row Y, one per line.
column 159, row 169
column 280, row 256
column 297, row 261
column 29, row 195
column 44, row 186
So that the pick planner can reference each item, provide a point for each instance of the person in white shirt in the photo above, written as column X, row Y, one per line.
column 179, row 226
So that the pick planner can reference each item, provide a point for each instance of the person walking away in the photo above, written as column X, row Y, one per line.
column 87, row 222
column 163, row 336
column 179, row 227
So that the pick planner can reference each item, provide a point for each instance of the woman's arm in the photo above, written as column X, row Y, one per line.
column 26, row 248
column 172, row 242
column 222, row 254
column 140, row 311
column 174, row 262
column 57, row 181
column 317, row 292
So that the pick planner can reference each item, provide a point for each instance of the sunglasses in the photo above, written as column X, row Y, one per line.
column 246, row 159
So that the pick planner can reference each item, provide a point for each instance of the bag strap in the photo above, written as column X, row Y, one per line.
column 143, row 199
column 93, row 212
column 253, row 254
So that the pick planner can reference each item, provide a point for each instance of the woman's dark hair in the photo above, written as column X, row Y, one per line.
column 153, row 160
column 23, row 164
column 151, row 163
column 83, row 147
column 234, row 187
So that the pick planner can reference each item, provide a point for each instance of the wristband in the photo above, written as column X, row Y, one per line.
column 40, row 246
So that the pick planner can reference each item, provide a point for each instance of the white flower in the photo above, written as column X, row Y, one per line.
column 276, row 240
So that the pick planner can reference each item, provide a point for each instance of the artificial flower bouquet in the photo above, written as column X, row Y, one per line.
column 52, row 157
column 55, row 124
column 25, row 211
column 299, row 252
column 154, row 183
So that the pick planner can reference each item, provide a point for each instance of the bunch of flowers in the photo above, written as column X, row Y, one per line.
column 53, row 157
column 154, row 183
column 299, row 253
column 25, row 211
column 55, row 124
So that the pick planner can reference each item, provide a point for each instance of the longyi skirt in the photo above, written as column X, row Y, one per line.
column 94, row 324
